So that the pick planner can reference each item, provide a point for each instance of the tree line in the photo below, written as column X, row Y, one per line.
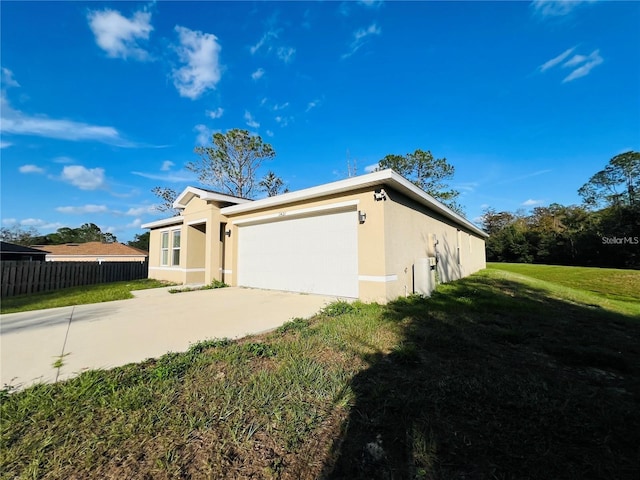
column 604, row 231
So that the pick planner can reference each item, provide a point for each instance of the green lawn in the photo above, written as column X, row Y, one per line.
column 105, row 292
column 617, row 289
column 495, row 376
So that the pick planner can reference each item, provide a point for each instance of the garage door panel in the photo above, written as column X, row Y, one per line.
column 313, row 254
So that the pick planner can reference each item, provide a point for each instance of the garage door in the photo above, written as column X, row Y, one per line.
column 317, row 254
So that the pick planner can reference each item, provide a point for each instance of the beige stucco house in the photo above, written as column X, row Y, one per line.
column 375, row 237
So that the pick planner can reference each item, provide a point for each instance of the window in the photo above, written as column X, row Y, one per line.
column 176, row 248
column 165, row 249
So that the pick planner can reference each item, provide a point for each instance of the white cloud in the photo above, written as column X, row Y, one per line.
column 286, row 54
column 283, row 121
column 217, row 113
column 251, row 122
column 166, row 165
column 137, row 211
column 269, row 133
column 4, row 144
column 258, row 74
column 581, row 64
column 371, row 168
column 531, row 202
column 586, row 65
column 201, row 70
column 7, row 78
column 31, row 169
column 84, row 178
column 39, row 223
column 263, row 41
column 282, row 106
column 83, row 209
column 172, row 177
column 556, row 60
column 19, row 123
column 118, row 35
column 204, row 134
column 360, row 37
column 135, row 223
column 312, row 104
column 556, row 8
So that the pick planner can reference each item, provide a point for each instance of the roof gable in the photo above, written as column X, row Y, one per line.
column 190, row 193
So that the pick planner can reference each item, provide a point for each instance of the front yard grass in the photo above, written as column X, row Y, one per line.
column 494, row 376
column 104, row 292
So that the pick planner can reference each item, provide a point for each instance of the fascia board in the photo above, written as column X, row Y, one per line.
column 164, row 222
column 188, row 193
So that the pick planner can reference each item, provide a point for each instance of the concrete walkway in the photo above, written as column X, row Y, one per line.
column 107, row 335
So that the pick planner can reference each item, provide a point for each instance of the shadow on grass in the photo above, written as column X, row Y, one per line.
column 494, row 379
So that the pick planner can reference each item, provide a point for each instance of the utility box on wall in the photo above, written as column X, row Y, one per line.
column 424, row 275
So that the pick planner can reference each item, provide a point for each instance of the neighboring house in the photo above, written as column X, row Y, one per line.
column 375, row 237
column 93, row 252
column 11, row 251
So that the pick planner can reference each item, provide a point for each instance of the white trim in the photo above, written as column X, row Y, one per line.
column 164, row 222
column 197, row 222
column 175, row 269
column 378, row 278
column 190, row 192
column 297, row 213
column 226, row 272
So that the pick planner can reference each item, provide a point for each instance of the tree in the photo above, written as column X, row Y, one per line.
column 617, row 185
column 167, row 197
column 21, row 236
column 140, row 241
column 232, row 161
column 428, row 173
column 272, row 185
column 89, row 232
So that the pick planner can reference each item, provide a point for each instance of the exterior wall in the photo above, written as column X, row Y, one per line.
column 396, row 233
column 156, row 269
column 371, row 285
column 95, row 258
column 410, row 233
column 200, row 246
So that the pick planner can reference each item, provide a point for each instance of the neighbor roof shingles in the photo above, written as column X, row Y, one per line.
column 92, row 248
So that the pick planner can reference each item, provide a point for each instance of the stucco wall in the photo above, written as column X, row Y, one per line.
column 411, row 231
column 371, row 286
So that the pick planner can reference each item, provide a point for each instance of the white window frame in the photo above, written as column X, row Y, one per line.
column 164, row 248
column 175, row 249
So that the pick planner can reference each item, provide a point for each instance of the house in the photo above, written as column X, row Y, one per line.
column 375, row 237
column 20, row 253
column 93, row 252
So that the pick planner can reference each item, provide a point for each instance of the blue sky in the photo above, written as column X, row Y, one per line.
column 103, row 101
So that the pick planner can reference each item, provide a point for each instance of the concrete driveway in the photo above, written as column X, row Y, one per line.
column 107, row 335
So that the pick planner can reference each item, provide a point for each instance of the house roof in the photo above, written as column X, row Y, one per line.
column 385, row 177
column 185, row 197
column 6, row 247
column 93, row 249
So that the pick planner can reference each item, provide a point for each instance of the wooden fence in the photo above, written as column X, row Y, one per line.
column 20, row 278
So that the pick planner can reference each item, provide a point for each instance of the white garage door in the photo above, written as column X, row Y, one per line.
column 316, row 254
